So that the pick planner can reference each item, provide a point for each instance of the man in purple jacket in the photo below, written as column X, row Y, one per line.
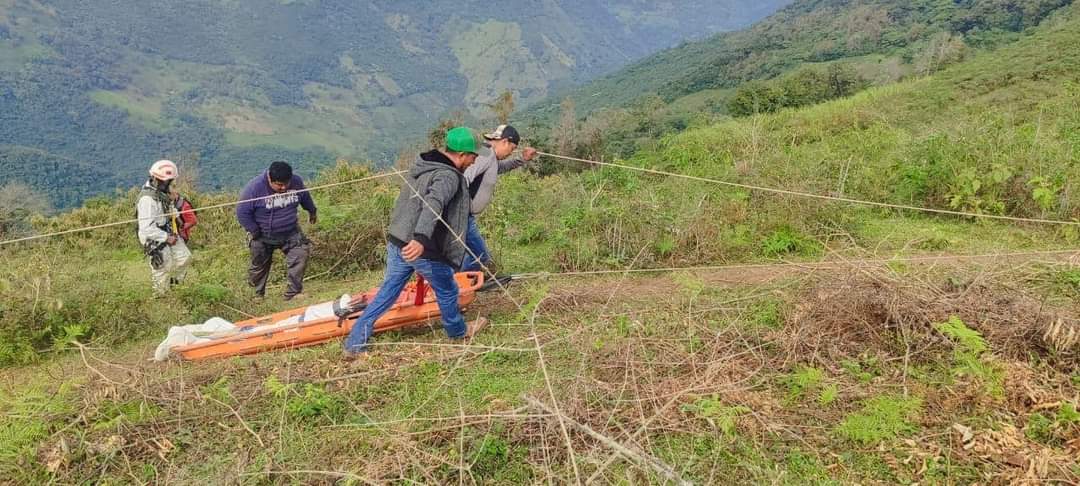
column 272, row 223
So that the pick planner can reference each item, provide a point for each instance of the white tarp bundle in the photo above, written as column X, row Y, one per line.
column 196, row 333
column 215, row 327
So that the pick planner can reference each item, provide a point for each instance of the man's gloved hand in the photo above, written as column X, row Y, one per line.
column 153, row 249
column 312, row 218
column 157, row 260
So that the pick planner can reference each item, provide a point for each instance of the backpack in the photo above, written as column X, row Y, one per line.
column 186, row 218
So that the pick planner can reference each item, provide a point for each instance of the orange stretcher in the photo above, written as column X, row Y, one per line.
column 415, row 305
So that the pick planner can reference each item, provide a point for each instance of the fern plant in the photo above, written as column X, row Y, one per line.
column 722, row 417
column 969, row 355
column 881, row 418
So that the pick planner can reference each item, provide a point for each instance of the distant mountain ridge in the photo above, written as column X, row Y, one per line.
column 227, row 84
column 806, row 31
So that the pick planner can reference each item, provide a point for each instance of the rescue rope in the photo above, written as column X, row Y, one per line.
column 196, row 210
column 828, row 264
column 601, row 164
column 815, row 196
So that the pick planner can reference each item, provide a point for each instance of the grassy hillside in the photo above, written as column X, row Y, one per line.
column 894, row 34
column 897, row 373
column 996, row 134
column 230, row 85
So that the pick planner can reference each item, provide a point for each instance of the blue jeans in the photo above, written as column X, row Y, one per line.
column 398, row 271
column 475, row 242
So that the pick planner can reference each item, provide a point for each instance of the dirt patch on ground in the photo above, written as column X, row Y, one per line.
column 844, row 310
column 841, row 318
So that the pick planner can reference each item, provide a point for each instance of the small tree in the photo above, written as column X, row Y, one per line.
column 188, row 164
column 437, row 136
column 944, row 48
column 564, row 135
column 756, row 97
column 865, row 25
column 503, row 107
column 805, row 87
column 407, row 155
column 843, row 80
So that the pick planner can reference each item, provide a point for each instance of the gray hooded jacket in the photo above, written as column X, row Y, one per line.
column 483, row 175
column 434, row 183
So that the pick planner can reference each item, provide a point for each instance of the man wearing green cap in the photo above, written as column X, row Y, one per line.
column 426, row 235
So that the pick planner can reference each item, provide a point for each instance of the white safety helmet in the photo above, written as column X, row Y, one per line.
column 164, row 170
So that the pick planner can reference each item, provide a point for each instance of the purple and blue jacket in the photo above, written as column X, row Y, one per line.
column 274, row 216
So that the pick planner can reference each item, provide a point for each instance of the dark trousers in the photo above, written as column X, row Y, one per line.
column 297, row 249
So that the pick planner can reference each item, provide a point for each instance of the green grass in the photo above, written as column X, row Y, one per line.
column 701, row 101
column 894, row 232
column 1051, row 428
column 928, row 127
column 767, row 314
column 144, row 110
column 293, row 128
column 502, row 376
column 309, row 403
column 349, row 425
column 698, row 455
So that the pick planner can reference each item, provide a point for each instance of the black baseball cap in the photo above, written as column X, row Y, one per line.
column 505, row 132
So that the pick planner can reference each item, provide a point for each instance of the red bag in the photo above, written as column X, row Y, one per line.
column 188, row 219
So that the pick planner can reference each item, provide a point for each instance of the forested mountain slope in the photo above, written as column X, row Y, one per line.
column 893, row 33
column 230, row 85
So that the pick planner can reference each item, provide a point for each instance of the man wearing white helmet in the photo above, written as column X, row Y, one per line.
column 159, row 227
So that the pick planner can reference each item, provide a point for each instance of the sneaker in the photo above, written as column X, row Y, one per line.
column 496, row 283
column 354, row 356
column 300, row 296
column 474, row 327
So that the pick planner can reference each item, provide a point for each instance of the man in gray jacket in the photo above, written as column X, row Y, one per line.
column 482, row 177
column 426, row 226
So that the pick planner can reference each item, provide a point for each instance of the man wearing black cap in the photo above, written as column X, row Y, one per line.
column 482, row 177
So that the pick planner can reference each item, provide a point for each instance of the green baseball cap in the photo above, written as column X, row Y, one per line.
column 461, row 139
